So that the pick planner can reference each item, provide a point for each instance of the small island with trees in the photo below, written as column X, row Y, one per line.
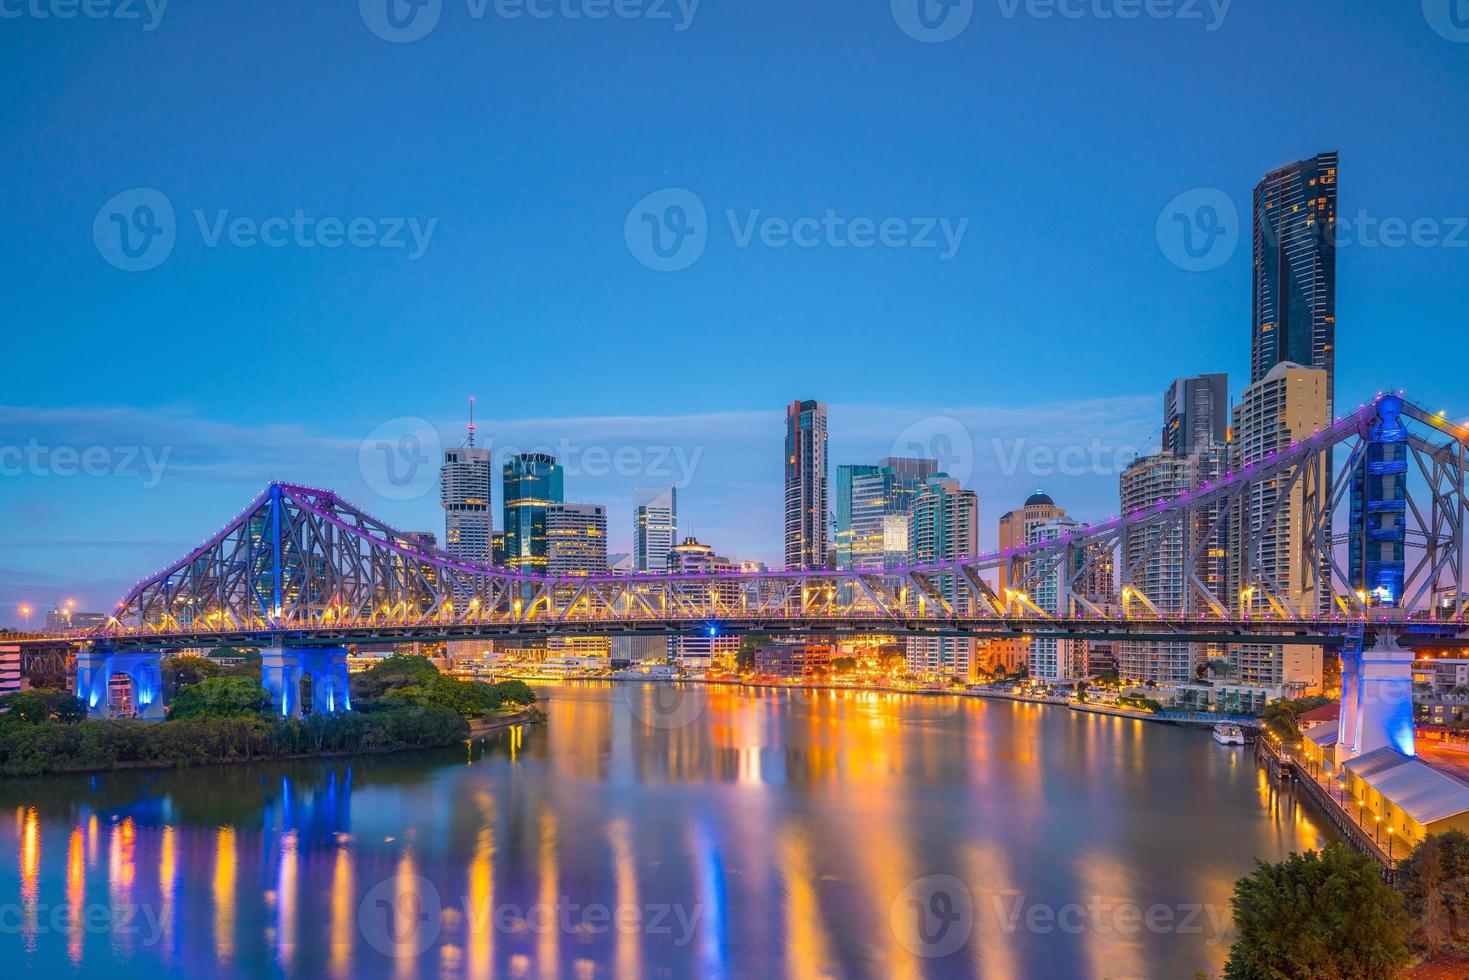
column 222, row 714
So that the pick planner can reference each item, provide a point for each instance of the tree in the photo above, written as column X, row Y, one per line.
column 186, row 669
column 1109, row 677
column 35, row 706
column 399, row 670
column 219, row 697
column 844, row 665
column 1434, row 880
column 1317, row 915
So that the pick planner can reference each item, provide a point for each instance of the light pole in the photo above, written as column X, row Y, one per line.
column 25, row 614
column 1377, row 828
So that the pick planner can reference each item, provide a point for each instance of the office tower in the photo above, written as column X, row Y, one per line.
column 1196, row 413
column 576, row 540
column 1152, row 562
column 654, row 528
column 418, row 540
column 944, row 527
column 707, row 648
column 873, row 504
column 531, row 483
column 1289, row 404
column 1052, row 660
column 497, row 549
column 464, row 493
column 1294, row 309
column 806, row 485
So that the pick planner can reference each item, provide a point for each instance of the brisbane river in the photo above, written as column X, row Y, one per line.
column 663, row 831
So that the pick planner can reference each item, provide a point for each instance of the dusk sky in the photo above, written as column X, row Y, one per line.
column 1030, row 296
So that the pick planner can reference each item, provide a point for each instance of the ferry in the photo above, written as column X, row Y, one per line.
column 1229, row 735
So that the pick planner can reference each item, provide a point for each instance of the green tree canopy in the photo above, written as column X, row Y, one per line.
column 35, row 706
column 469, row 699
column 1434, row 880
column 399, row 670
column 219, row 697
column 1315, row 916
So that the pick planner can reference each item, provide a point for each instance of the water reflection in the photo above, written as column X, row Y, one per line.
column 765, row 834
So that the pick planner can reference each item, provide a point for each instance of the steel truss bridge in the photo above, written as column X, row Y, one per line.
column 302, row 567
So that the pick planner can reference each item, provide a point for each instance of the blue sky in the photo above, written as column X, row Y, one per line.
column 519, row 147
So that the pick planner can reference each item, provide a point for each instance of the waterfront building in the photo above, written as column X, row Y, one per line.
column 1152, row 561
column 654, row 528
column 10, row 675
column 1053, row 660
column 692, row 557
column 944, row 527
column 793, row 660
column 1294, row 303
column 1196, row 414
column 806, row 492
column 1286, row 406
column 531, row 483
column 1008, row 656
column 625, row 651
column 464, row 493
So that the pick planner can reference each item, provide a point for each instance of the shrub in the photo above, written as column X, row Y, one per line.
column 219, row 697
column 31, row 707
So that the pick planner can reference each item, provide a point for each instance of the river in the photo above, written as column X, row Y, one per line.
column 654, row 830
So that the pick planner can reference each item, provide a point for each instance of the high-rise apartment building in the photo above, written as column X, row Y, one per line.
column 944, row 526
column 1053, row 660
column 1016, row 527
column 1294, row 308
column 1152, row 561
column 464, row 493
column 654, row 528
column 1196, row 413
column 532, row 482
column 806, row 492
column 1288, row 405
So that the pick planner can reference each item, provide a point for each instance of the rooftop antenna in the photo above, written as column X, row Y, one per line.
column 470, row 443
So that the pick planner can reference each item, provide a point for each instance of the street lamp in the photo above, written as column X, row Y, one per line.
column 25, row 614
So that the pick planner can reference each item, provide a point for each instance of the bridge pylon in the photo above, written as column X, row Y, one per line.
column 97, row 664
column 284, row 668
column 1377, row 699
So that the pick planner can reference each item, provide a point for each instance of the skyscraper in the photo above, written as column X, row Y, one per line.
column 1288, row 405
column 944, row 527
column 531, row 483
column 654, row 528
column 873, row 504
column 1054, row 660
column 1196, row 413
column 1294, row 309
column 576, row 539
column 1153, row 555
column 464, row 493
column 806, row 485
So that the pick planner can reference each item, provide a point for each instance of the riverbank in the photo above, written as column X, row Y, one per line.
column 103, row 746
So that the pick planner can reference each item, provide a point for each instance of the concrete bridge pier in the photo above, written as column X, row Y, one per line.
column 284, row 668
column 1380, row 712
column 97, row 665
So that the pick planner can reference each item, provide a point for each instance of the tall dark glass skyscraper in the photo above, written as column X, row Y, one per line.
column 806, row 488
column 532, row 482
column 1294, row 311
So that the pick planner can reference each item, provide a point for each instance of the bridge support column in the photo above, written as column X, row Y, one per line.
column 97, row 665
column 1383, row 709
column 283, row 669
